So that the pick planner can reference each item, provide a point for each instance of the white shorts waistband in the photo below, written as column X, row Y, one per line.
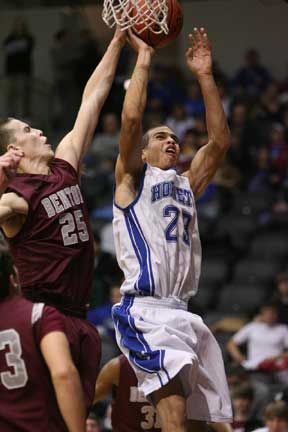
column 164, row 302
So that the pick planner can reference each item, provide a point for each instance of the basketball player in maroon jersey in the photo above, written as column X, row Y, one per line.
column 130, row 409
column 45, row 220
column 31, row 339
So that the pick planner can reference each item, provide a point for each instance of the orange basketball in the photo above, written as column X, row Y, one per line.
column 174, row 22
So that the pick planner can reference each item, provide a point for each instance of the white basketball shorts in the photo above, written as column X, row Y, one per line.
column 161, row 339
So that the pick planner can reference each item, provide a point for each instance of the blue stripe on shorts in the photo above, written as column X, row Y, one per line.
column 140, row 354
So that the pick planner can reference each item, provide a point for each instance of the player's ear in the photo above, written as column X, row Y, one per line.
column 12, row 146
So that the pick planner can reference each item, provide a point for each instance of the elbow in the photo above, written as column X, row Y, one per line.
column 223, row 140
column 131, row 120
column 64, row 374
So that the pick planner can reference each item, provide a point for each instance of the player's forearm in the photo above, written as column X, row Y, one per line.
column 218, row 130
column 136, row 96
column 102, row 78
column 70, row 399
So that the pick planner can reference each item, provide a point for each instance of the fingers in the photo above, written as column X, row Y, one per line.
column 199, row 38
column 11, row 159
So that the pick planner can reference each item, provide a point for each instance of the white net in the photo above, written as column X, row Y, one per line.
column 146, row 14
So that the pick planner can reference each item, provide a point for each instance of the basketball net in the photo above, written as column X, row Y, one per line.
column 147, row 14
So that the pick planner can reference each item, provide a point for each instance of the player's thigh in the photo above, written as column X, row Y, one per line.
column 170, row 400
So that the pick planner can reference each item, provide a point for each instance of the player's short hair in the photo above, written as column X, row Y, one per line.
column 6, row 270
column 146, row 136
column 278, row 409
column 6, row 134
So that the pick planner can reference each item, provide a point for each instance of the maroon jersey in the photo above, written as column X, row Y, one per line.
column 130, row 409
column 53, row 252
column 28, row 401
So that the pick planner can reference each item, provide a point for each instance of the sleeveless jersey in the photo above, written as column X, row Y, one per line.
column 156, row 237
column 28, row 401
column 130, row 409
column 54, row 249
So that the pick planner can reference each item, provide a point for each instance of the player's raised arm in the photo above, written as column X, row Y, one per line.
column 130, row 148
column 65, row 378
column 108, row 376
column 209, row 157
column 75, row 143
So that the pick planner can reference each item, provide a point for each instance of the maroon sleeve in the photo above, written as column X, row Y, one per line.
column 51, row 320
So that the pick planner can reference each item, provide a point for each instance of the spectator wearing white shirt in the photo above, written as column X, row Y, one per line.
column 265, row 339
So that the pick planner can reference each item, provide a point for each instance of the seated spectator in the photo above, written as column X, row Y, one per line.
column 237, row 376
column 242, row 400
column 252, row 77
column 265, row 339
column 101, row 317
column 194, row 105
column 278, row 148
column 179, row 122
column 105, row 144
column 92, row 423
column 276, row 417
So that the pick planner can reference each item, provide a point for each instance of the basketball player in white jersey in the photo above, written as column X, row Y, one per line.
column 176, row 359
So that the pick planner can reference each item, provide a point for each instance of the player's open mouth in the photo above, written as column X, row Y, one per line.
column 171, row 150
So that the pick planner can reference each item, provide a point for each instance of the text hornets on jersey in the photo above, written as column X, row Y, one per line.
column 168, row 189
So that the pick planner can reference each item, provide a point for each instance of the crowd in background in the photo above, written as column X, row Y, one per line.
column 243, row 215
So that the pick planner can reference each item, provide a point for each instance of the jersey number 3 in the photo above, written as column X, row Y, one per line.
column 171, row 230
column 74, row 228
column 19, row 377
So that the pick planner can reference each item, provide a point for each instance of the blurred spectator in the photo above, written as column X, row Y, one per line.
column 276, row 417
column 179, row 122
column 278, row 148
column 163, row 90
column 280, row 298
column 18, row 68
column 92, row 423
column 64, row 57
column 87, row 60
column 237, row 376
column 101, row 317
column 270, row 102
column 252, row 77
column 193, row 104
column 242, row 401
column 266, row 341
column 106, row 270
column 105, row 144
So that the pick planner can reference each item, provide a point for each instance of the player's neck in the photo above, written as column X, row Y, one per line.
column 34, row 166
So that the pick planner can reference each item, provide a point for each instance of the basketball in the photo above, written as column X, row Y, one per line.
column 174, row 22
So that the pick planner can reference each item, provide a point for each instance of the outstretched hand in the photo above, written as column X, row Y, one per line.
column 199, row 56
column 120, row 36
column 8, row 166
column 137, row 43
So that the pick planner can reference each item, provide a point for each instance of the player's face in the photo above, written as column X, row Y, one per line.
column 92, row 425
column 163, row 148
column 32, row 141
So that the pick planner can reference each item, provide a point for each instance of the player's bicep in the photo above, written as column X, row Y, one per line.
column 203, row 167
column 55, row 350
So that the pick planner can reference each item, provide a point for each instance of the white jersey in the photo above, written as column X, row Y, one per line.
column 157, row 239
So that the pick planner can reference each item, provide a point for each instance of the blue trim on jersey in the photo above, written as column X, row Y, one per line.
column 150, row 268
column 145, row 283
column 133, row 339
column 126, row 209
